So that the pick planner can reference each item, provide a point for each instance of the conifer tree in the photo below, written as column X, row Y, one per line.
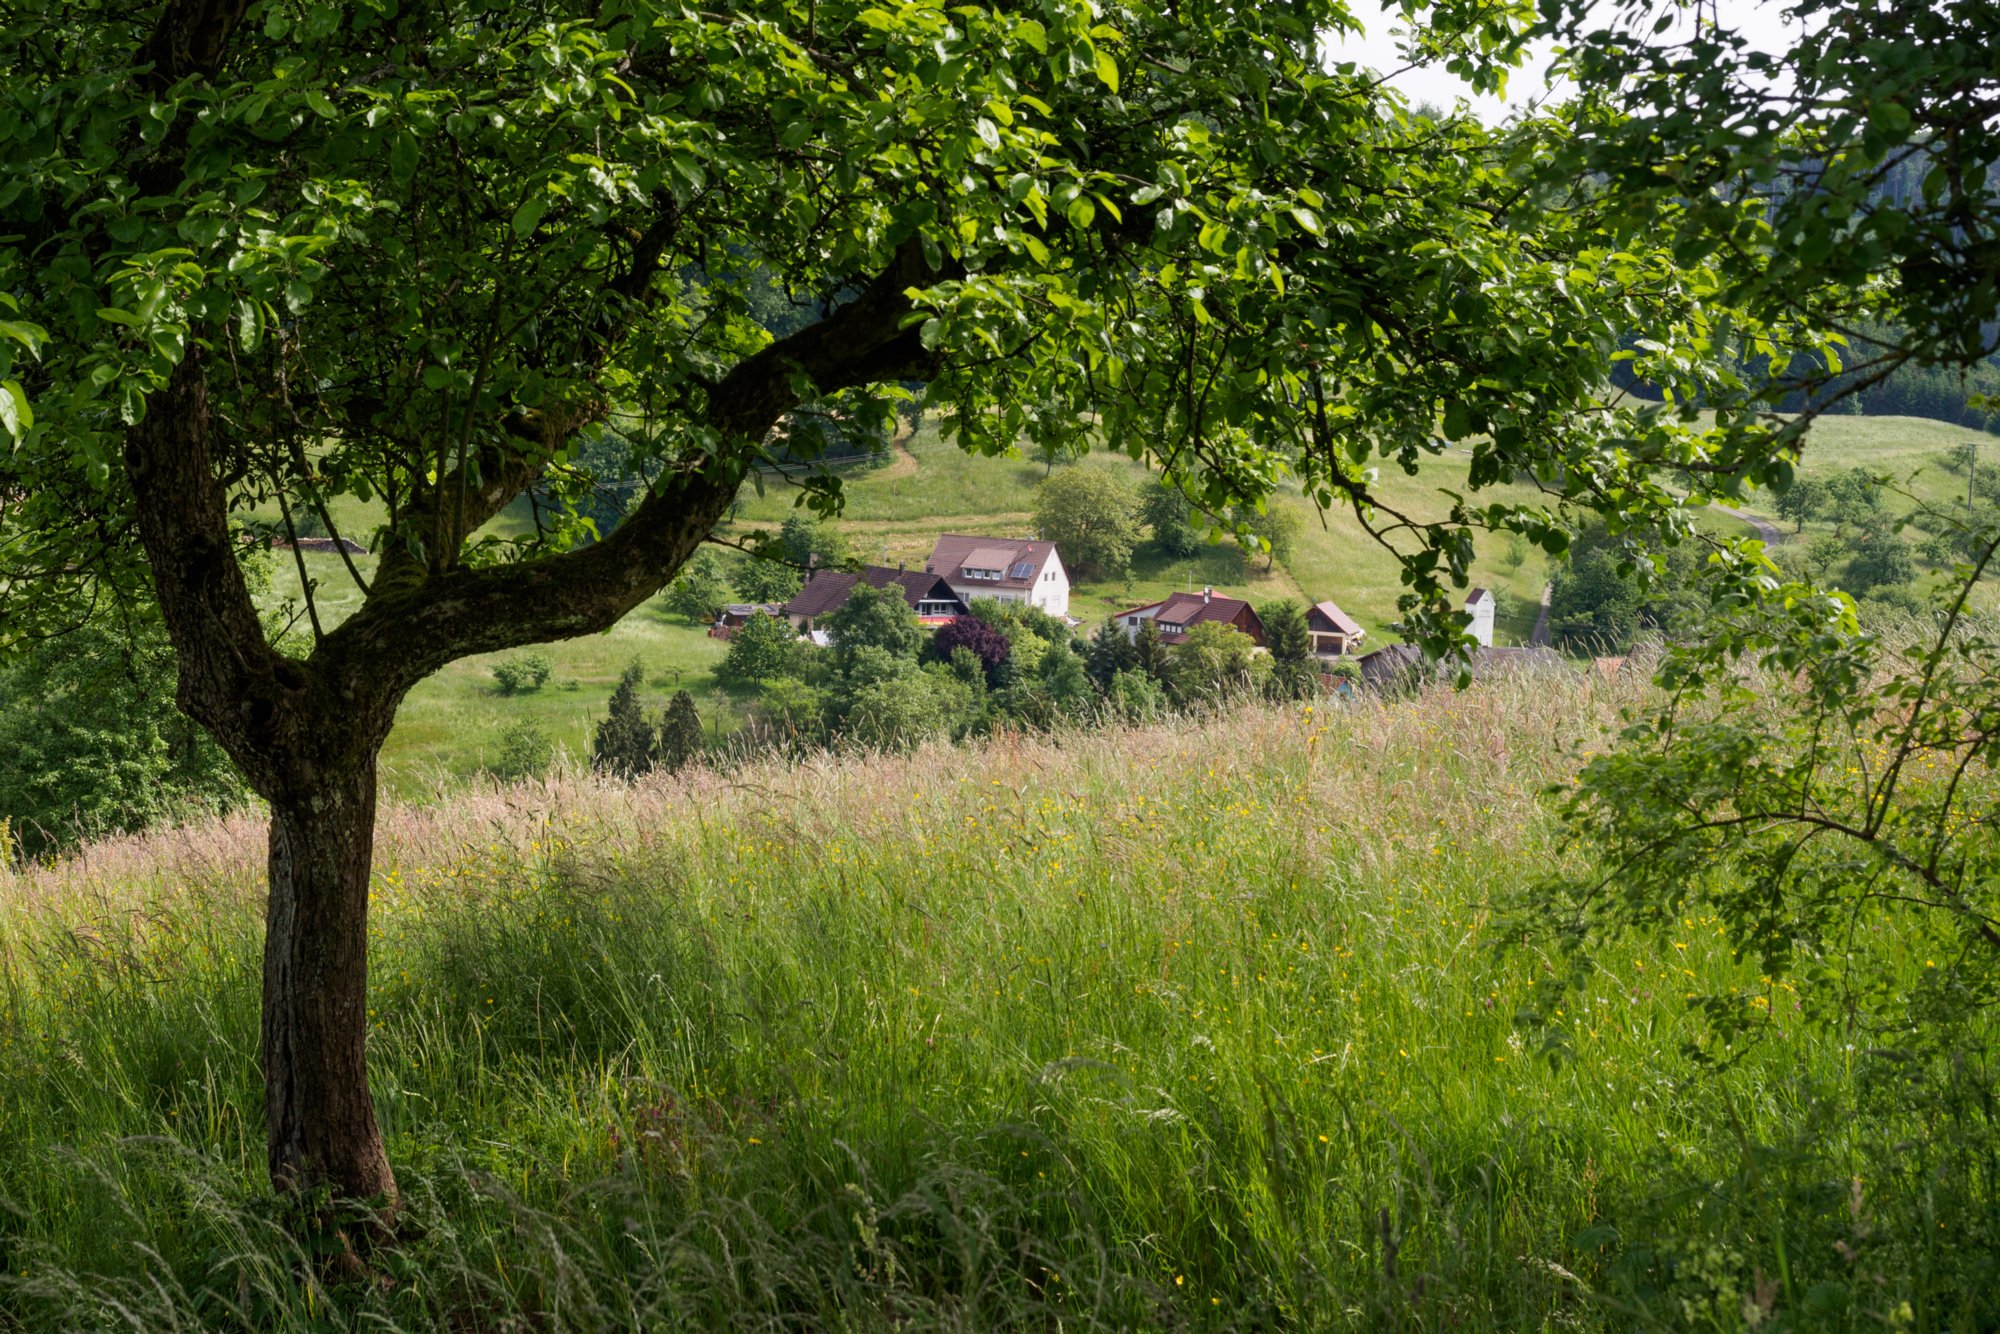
column 1111, row 652
column 680, row 733
column 1149, row 655
column 625, row 744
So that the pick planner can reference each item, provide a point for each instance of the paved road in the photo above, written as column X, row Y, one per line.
column 1540, row 635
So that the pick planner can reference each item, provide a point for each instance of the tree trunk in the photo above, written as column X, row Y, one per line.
column 321, row 1118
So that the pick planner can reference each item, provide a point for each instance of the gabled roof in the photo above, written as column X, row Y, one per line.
column 1326, row 618
column 827, row 590
column 1183, row 611
column 954, row 552
column 1478, row 595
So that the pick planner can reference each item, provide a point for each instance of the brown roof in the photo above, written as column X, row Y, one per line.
column 955, row 551
column 1329, row 619
column 1476, row 594
column 827, row 590
column 1184, row 611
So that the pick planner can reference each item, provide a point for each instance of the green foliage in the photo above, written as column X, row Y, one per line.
column 878, row 618
column 1805, row 500
column 1165, row 509
column 1088, row 514
column 1136, row 697
column 1609, row 591
column 1211, row 664
column 625, row 745
column 1880, row 557
column 763, row 648
column 792, row 710
column 1276, row 525
column 1149, row 654
column 94, row 744
column 895, row 709
column 523, row 672
column 701, row 588
column 760, row 580
column 526, row 751
column 1295, row 671
column 1111, row 652
column 681, row 742
column 807, row 542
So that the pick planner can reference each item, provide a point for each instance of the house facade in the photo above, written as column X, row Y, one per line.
column 827, row 591
column 1180, row 613
column 1334, row 633
column 1003, row 568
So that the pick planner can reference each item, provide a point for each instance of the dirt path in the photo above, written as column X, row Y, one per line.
column 1767, row 532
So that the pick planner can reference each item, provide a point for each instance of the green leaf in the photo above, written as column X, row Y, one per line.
column 1457, row 421
column 403, row 154
column 113, row 315
column 529, row 215
column 15, row 414
column 1034, row 34
column 1107, row 68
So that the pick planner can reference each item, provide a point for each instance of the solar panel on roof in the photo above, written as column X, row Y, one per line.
column 1021, row 570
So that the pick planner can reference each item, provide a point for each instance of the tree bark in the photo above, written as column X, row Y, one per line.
column 321, row 1119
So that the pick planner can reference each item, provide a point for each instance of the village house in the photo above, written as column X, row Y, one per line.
column 1335, row 634
column 1180, row 613
column 1003, row 568
column 827, row 591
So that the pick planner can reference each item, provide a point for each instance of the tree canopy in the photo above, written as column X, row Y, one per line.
column 261, row 256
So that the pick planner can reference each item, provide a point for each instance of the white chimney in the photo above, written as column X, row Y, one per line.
column 1207, row 594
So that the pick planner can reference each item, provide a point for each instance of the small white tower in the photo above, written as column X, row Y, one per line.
column 1479, row 604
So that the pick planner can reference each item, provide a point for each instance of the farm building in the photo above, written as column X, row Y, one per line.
column 827, row 591
column 1335, row 634
column 1181, row 612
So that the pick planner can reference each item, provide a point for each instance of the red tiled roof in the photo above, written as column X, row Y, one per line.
column 955, row 551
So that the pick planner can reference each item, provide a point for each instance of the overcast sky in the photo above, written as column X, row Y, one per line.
column 1760, row 20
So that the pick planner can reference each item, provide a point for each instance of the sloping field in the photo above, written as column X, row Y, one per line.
column 1195, row 1027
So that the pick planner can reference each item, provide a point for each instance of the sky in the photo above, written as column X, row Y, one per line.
column 1760, row 20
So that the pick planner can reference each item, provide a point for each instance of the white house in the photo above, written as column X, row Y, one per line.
column 1479, row 605
column 1008, row 569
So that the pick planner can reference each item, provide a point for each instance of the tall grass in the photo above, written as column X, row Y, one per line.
column 1189, row 1027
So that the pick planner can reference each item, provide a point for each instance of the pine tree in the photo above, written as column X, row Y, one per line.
column 1289, row 638
column 625, row 744
column 1111, row 652
column 680, row 733
column 1149, row 655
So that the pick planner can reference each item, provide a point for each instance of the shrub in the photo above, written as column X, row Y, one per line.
column 876, row 618
column 523, row 672
column 970, row 634
column 1136, row 697
column 763, row 648
column 91, row 742
column 1212, row 662
column 525, row 752
column 1277, row 524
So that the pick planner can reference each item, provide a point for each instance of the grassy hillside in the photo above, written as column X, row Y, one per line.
column 451, row 725
column 1186, row 1028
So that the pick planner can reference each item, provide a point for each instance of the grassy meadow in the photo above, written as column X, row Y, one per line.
column 450, row 726
column 1203, row 1026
